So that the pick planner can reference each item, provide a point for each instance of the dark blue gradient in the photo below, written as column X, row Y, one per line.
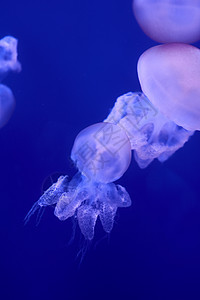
column 77, row 57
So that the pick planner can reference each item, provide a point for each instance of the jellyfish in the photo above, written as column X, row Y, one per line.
column 169, row 21
column 102, row 153
column 8, row 62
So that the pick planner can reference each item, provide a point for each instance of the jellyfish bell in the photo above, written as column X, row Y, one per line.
column 169, row 76
column 102, row 152
column 7, row 104
column 167, row 21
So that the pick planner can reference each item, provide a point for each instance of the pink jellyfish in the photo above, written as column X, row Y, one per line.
column 167, row 21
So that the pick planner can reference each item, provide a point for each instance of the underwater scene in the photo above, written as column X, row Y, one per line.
column 100, row 144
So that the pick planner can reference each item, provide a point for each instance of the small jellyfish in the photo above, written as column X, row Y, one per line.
column 7, row 104
column 102, row 153
column 167, row 21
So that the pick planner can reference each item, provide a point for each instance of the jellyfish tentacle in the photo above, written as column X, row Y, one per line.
column 50, row 197
column 53, row 193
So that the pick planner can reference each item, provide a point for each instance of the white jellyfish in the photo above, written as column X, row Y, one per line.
column 8, row 62
column 167, row 21
column 102, row 153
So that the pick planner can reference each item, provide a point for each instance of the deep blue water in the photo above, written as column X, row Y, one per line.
column 77, row 57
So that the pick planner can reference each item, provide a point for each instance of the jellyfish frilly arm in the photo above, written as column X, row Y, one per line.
column 88, row 200
column 151, row 134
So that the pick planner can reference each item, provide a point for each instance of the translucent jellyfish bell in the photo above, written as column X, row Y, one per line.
column 169, row 76
column 102, row 153
column 7, row 104
column 168, row 21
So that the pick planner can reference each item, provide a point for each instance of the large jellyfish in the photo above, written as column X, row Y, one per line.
column 167, row 21
column 8, row 62
column 102, row 153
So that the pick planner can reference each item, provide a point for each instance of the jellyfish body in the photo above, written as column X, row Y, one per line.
column 151, row 133
column 167, row 21
column 102, row 153
column 169, row 76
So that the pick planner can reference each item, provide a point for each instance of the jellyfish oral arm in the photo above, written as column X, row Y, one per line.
column 151, row 134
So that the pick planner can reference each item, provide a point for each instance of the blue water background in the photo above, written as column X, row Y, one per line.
column 77, row 58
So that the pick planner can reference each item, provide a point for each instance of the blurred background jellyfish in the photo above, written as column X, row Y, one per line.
column 102, row 153
column 167, row 21
column 8, row 62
